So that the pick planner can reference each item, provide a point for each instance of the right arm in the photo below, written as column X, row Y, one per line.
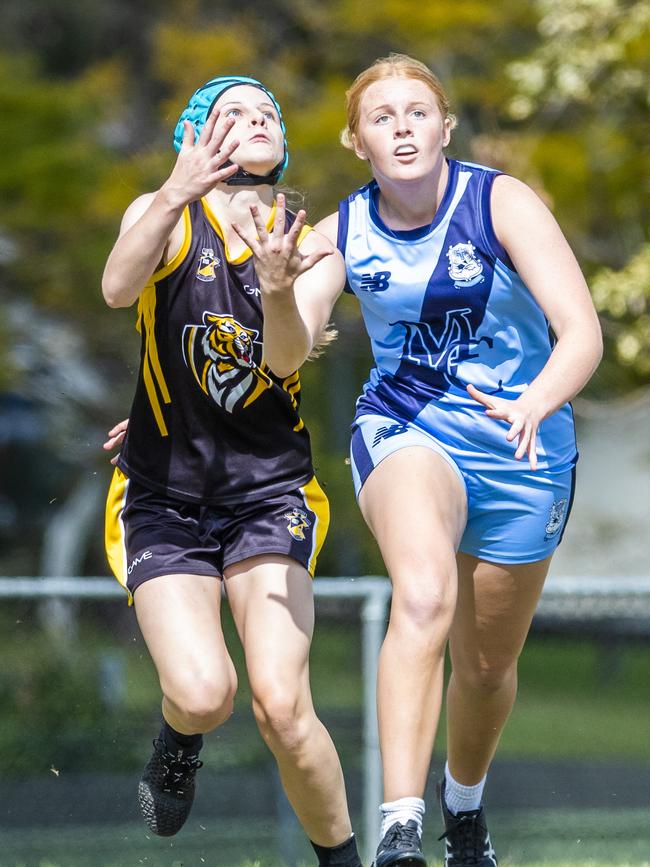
column 148, row 230
column 151, row 230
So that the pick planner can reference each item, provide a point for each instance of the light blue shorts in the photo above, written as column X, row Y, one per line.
column 514, row 515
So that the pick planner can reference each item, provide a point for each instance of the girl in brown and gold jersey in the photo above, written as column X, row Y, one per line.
column 214, row 482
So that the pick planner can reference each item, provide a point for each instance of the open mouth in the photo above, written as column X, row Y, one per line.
column 405, row 150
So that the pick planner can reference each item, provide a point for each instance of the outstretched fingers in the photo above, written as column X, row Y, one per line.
column 248, row 238
column 307, row 262
column 280, row 217
column 260, row 225
column 485, row 399
column 293, row 235
column 188, row 135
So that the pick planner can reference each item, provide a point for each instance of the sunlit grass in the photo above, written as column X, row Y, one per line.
column 545, row 838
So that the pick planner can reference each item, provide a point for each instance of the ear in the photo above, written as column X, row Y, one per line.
column 358, row 147
column 446, row 132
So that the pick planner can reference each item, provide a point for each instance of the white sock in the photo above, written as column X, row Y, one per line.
column 461, row 799
column 401, row 811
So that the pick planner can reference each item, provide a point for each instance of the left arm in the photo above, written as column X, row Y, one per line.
column 299, row 287
column 546, row 264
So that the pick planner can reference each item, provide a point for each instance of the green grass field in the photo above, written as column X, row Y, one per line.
column 579, row 700
column 523, row 839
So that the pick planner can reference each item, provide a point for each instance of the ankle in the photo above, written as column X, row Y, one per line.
column 343, row 855
column 176, row 741
column 460, row 798
column 402, row 811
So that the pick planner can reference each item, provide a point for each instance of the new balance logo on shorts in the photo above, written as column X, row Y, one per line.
column 377, row 282
column 384, row 433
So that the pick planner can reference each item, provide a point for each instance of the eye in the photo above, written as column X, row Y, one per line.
column 383, row 118
column 233, row 112
column 418, row 113
column 270, row 115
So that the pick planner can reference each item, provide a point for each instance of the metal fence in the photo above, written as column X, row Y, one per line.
column 613, row 605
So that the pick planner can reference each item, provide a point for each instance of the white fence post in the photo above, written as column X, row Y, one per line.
column 373, row 617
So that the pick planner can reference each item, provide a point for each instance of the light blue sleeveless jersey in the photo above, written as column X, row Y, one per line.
column 444, row 308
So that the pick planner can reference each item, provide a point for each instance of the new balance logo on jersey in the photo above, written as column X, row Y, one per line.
column 377, row 282
column 384, row 433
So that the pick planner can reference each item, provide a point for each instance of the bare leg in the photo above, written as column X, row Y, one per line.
column 179, row 616
column 495, row 608
column 415, row 505
column 271, row 597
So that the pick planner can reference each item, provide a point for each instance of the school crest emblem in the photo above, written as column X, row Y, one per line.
column 465, row 267
column 556, row 518
column 208, row 263
column 298, row 523
column 219, row 352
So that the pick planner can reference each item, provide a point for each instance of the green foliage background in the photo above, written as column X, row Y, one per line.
column 553, row 91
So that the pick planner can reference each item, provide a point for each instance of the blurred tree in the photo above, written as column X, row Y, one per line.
column 582, row 101
column 553, row 91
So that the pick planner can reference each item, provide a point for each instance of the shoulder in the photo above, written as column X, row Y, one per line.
column 329, row 227
column 516, row 209
column 509, row 192
column 136, row 209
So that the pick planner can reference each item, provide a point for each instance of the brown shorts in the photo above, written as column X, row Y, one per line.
column 149, row 534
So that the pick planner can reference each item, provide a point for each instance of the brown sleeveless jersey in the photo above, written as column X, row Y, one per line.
column 210, row 423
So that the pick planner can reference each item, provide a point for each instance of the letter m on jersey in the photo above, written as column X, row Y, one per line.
column 377, row 282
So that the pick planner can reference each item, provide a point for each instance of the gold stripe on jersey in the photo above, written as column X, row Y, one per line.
column 263, row 382
column 147, row 321
column 151, row 368
column 180, row 255
column 292, row 386
column 114, row 535
column 317, row 502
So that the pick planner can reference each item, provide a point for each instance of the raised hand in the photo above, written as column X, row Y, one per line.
column 522, row 417
column 199, row 164
column 278, row 261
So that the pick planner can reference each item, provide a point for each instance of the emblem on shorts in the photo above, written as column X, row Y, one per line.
column 298, row 523
column 387, row 431
column 465, row 267
column 207, row 264
column 556, row 518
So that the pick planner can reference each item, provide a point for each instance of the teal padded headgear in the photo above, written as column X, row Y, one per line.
column 198, row 110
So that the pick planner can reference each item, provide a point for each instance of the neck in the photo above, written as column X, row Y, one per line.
column 232, row 205
column 405, row 205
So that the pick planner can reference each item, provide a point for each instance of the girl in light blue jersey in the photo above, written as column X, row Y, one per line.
column 463, row 446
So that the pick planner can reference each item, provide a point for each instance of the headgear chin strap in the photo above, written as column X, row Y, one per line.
column 198, row 110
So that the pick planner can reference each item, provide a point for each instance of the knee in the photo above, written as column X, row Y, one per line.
column 487, row 677
column 203, row 704
column 425, row 606
column 280, row 719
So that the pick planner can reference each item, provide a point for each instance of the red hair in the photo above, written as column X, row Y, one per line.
column 393, row 66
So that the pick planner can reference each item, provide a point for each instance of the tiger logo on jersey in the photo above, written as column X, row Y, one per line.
column 220, row 355
column 465, row 268
column 208, row 263
column 298, row 523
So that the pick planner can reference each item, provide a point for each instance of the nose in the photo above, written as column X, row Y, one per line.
column 258, row 119
column 402, row 129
